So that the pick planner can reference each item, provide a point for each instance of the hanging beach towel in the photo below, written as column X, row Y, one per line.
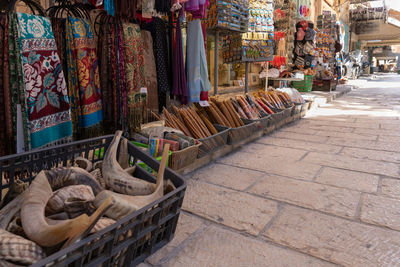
column 47, row 103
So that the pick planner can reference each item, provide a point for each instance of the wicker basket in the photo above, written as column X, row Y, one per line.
column 182, row 158
column 214, row 142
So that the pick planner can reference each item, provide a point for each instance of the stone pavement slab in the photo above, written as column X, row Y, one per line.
column 375, row 145
column 391, row 187
column 357, row 181
column 381, row 211
column 334, row 239
column 227, row 176
column 338, row 201
column 355, row 164
column 235, row 209
column 223, row 248
column 305, row 145
column 371, row 154
column 280, row 166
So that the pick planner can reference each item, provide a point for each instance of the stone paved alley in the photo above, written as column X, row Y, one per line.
column 323, row 191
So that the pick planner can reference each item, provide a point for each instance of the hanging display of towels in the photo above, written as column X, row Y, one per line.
column 196, row 62
column 47, row 103
column 83, row 78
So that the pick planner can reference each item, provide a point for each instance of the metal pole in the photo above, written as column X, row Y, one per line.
column 216, row 62
column 246, row 78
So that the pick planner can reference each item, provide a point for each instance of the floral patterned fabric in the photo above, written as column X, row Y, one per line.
column 83, row 78
column 135, row 78
column 47, row 102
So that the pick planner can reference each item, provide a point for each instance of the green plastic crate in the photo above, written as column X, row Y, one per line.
column 142, row 164
column 305, row 85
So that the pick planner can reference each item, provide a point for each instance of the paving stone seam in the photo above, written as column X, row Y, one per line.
column 374, row 173
column 340, row 151
column 233, row 230
column 273, row 219
column 284, row 203
column 318, row 173
column 379, row 189
column 297, row 179
column 305, row 149
column 357, row 215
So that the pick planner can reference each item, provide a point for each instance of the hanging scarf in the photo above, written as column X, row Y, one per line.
column 3, row 86
column 160, row 47
column 135, row 78
column 16, row 88
column 46, row 97
column 83, row 76
column 106, row 79
column 150, row 71
column 179, row 79
column 196, row 61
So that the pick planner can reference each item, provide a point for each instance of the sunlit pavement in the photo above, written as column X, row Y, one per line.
column 320, row 192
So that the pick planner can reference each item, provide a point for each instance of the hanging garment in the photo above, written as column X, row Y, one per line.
column 196, row 61
column 106, row 85
column 150, row 71
column 16, row 87
column 163, row 6
column 198, row 8
column 135, row 77
column 46, row 96
column 83, row 78
column 160, row 47
column 4, row 90
column 180, row 89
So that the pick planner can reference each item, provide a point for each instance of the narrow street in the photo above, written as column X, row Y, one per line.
column 322, row 191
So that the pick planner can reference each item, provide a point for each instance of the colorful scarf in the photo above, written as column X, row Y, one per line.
column 47, row 103
column 179, row 79
column 83, row 78
column 135, row 78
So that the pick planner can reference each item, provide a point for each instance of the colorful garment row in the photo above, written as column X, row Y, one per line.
column 36, row 108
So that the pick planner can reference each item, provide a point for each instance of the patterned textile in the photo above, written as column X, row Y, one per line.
column 83, row 78
column 16, row 87
column 47, row 103
column 179, row 79
column 160, row 47
column 3, row 86
column 135, row 78
column 150, row 71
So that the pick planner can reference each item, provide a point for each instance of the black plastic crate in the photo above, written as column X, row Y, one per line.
column 277, row 116
column 240, row 133
column 214, row 142
column 262, row 123
column 127, row 242
column 304, row 108
column 296, row 109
